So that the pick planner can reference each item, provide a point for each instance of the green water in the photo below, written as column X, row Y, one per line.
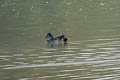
column 92, row 52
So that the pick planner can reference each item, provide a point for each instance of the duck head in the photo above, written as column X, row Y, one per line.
column 49, row 36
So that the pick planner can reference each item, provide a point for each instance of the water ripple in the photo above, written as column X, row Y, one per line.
column 89, row 59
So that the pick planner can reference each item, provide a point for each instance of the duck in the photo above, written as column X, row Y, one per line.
column 52, row 39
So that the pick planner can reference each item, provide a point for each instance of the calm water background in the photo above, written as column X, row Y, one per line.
column 92, row 53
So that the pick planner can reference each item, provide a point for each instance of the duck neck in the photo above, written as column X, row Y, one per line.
column 51, row 38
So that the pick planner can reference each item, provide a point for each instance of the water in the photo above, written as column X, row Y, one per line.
column 92, row 52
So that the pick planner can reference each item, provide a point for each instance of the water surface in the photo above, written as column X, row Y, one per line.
column 92, row 52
